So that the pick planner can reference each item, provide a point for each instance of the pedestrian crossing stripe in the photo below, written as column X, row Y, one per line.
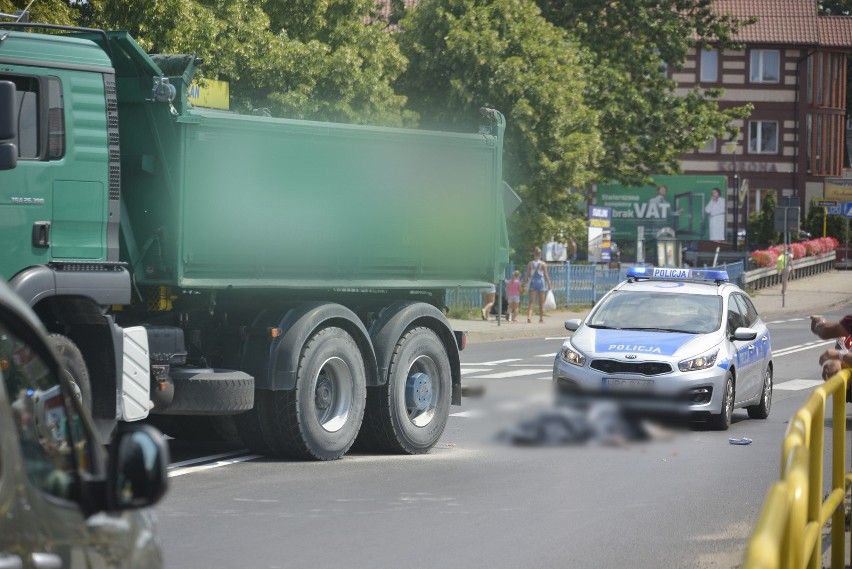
column 507, row 374
column 798, row 384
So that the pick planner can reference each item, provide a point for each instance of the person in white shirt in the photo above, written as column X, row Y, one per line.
column 715, row 209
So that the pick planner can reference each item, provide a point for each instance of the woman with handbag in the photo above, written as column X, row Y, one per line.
column 538, row 283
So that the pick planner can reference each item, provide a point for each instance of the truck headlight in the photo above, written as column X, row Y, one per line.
column 572, row 356
column 701, row 362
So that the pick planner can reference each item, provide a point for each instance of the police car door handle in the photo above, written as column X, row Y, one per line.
column 46, row 561
column 11, row 562
column 751, row 347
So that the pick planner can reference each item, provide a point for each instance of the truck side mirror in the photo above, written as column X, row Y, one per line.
column 8, row 126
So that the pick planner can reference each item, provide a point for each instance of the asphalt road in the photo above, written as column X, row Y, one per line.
column 685, row 499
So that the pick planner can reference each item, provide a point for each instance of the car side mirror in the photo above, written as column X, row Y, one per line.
column 138, row 464
column 745, row 334
column 573, row 324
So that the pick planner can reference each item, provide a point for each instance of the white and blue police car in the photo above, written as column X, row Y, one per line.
column 680, row 340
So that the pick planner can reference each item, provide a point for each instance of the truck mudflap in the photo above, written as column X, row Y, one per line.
column 208, row 391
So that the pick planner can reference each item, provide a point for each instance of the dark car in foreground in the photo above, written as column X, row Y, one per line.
column 65, row 500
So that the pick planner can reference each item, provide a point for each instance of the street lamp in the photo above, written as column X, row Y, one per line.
column 731, row 148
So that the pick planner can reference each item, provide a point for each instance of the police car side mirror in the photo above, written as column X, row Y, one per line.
column 745, row 334
column 138, row 464
column 573, row 324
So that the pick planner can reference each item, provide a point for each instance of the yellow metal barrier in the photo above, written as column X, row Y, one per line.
column 788, row 531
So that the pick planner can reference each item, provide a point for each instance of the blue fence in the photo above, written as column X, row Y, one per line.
column 574, row 284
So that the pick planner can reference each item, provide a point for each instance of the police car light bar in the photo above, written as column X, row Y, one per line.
column 710, row 275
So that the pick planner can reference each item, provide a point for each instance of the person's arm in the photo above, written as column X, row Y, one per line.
column 528, row 276
column 546, row 276
column 827, row 330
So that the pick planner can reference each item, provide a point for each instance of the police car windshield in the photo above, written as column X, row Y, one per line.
column 658, row 311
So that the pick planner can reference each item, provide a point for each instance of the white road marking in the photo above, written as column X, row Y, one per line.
column 217, row 464
column 531, row 365
column 802, row 347
column 557, row 337
column 506, row 374
column 468, row 414
column 469, row 370
column 205, row 459
column 790, row 320
column 494, row 363
column 798, row 384
column 547, row 355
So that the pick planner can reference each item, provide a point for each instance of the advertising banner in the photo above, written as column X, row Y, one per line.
column 694, row 207
column 838, row 189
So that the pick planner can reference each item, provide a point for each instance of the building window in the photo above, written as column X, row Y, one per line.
column 709, row 147
column 709, row 66
column 765, row 66
column 763, row 137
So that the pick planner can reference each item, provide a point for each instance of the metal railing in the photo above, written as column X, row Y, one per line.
column 788, row 532
column 573, row 284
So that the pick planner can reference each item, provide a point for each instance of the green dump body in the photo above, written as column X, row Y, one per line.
column 214, row 199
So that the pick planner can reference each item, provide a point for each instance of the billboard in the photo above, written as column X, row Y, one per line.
column 694, row 207
column 838, row 189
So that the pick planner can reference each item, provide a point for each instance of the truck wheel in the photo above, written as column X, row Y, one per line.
column 203, row 391
column 196, row 428
column 248, row 428
column 320, row 418
column 408, row 414
column 74, row 367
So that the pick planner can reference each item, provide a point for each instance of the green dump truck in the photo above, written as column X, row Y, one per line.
column 206, row 269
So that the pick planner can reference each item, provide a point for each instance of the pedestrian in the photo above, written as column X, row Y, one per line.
column 488, row 296
column 513, row 292
column 538, row 283
column 834, row 359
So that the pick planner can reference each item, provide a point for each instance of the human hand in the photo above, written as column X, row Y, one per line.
column 830, row 368
column 829, row 355
column 817, row 322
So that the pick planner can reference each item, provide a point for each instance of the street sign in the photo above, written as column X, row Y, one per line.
column 835, row 210
column 847, row 209
column 826, row 204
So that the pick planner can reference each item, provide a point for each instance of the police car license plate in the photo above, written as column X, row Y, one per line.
column 635, row 385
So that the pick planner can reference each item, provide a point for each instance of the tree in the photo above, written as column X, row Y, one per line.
column 835, row 225
column 761, row 226
column 465, row 54
column 322, row 60
column 46, row 11
column 627, row 47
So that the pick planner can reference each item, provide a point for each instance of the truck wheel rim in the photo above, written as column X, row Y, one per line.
column 333, row 394
column 421, row 393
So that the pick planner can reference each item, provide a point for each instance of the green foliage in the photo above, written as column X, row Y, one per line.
column 761, row 225
column 47, row 11
column 321, row 60
column 465, row 54
column 627, row 47
column 835, row 225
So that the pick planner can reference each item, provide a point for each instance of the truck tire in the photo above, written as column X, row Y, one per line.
column 248, row 428
column 74, row 367
column 407, row 414
column 320, row 418
column 214, row 428
column 205, row 391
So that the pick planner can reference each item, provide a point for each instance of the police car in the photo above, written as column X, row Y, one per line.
column 678, row 340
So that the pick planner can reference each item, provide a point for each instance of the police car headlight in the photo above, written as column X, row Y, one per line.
column 701, row 362
column 572, row 356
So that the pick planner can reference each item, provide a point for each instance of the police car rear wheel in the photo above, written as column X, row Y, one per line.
column 722, row 421
column 761, row 410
